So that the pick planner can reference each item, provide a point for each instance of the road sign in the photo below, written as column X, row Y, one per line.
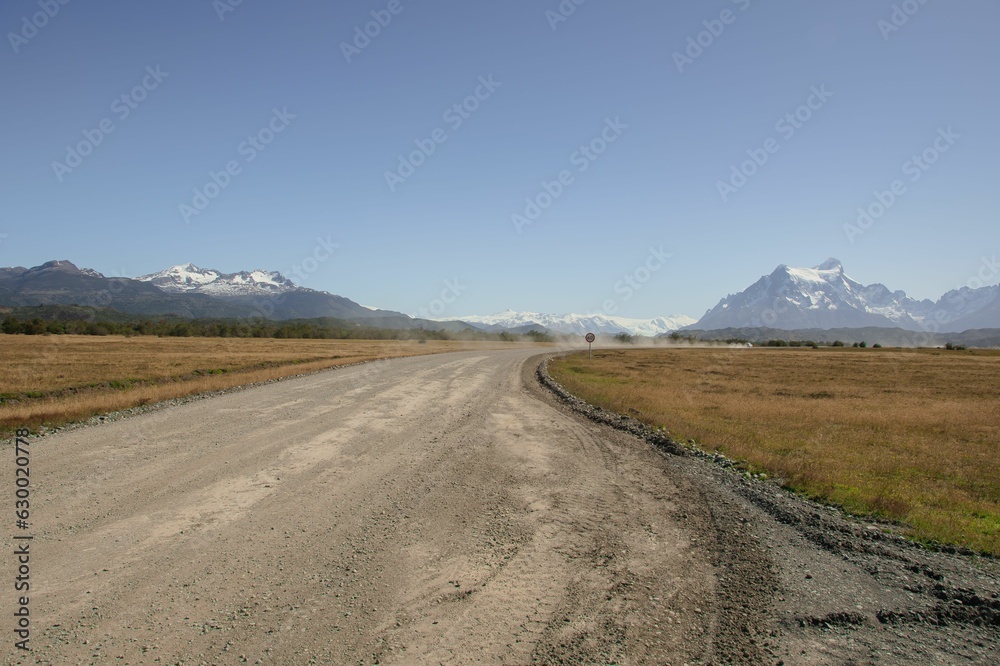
column 590, row 337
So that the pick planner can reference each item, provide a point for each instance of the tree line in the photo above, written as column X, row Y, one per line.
column 211, row 328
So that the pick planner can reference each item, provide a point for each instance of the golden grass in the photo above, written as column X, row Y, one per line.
column 55, row 379
column 907, row 435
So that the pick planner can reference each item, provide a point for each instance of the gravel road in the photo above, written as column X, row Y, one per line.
column 449, row 509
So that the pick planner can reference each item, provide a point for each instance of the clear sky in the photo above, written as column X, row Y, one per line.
column 667, row 98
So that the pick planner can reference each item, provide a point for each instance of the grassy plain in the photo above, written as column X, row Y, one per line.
column 55, row 379
column 912, row 436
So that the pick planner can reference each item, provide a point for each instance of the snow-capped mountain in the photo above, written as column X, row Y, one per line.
column 188, row 278
column 63, row 283
column 578, row 324
column 268, row 292
column 825, row 297
column 270, row 295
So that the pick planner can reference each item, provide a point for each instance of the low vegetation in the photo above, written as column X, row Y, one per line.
column 85, row 320
column 911, row 436
column 54, row 379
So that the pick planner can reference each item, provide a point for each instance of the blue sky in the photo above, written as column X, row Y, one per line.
column 210, row 85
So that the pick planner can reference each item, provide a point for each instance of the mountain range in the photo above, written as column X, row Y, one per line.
column 188, row 278
column 188, row 291
column 268, row 292
column 824, row 297
column 820, row 298
column 62, row 283
column 577, row 324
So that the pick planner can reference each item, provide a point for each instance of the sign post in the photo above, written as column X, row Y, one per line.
column 590, row 337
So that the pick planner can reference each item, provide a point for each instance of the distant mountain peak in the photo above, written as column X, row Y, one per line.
column 831, row 264
column 63, row 264
column 825, row 297
column 799, row 298
column 578, row 323
column 191, row 278
column 186, row 290
column 66, row 266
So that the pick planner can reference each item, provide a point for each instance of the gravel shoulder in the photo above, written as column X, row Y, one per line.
column 829, row 588
column 450, row 509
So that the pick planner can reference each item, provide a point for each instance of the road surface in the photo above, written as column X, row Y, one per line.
column 440, row 509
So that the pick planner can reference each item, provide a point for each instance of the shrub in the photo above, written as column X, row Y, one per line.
column 539, row 336
column 11, row 326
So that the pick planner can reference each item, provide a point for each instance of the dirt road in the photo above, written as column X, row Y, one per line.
column 448, row 509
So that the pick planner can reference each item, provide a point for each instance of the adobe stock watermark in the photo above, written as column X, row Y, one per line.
column 562, row 12
column 699, row 43
column 633, row 281
column 779, row 306
column 122, row 106
column 454, row 116
column 106, row 297
column 983, row 276
column 299, row 273
column 249, row 149
column 581, row 158
column 989, row 269
column 453, row 289
column 30, row 25
column 914, row 168
column 366, row 372
column 786, row 126
column 364, row 34
column 223, row 7
column 900, row 16
column 321, row 253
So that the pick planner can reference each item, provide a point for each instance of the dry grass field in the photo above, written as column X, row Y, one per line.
column 55, row 379
column 907, row 435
